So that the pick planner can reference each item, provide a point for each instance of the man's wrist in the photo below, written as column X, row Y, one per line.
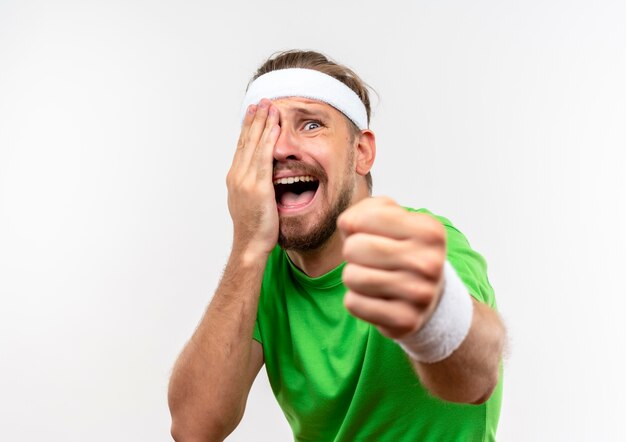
column 448, row 325
column 248, row 256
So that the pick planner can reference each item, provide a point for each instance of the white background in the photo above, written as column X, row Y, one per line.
column 118, row 121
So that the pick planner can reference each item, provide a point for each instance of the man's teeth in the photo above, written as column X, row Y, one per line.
column 294, row 179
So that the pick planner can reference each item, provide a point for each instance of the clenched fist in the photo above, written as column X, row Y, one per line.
column 394, row 270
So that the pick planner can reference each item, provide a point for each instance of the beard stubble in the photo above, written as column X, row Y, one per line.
column 291, row 234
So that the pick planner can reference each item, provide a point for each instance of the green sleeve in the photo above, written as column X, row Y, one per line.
column 469, row 264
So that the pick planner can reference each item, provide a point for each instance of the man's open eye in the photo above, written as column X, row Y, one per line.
column 312, row 125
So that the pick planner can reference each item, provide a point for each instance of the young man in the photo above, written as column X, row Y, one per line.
column 376, row 322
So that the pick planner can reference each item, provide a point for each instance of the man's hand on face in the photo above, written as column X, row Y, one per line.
column 251, row 200
column 394, row 270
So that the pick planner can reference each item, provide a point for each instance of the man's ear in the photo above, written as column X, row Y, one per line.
column 365, row 152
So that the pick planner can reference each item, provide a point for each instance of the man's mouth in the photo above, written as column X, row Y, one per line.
column 295, row 192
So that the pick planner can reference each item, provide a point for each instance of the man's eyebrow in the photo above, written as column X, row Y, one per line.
column 310, row 112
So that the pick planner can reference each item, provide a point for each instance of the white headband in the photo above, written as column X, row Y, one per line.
column 307, row 83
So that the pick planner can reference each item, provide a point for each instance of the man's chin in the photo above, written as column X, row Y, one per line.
column 295, row 234
column 310, row 232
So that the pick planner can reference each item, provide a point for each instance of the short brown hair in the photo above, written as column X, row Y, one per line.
column 314, row 60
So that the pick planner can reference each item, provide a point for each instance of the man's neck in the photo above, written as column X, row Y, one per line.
column 321, row 261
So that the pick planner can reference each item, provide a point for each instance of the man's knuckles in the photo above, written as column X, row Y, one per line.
column 393, row 332
column 362, row 279
column 427, row 228
column 417, row 291
column 360, row 245
column 420, row 292
column 241, row 142
column 351, row 302
column 402, row 325
column 351, row 275
column 387, row 253
column 397, row 317
column 428, row 263
column 369, row 217
column 248, row 190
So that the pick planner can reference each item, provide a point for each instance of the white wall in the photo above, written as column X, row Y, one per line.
column 117, row 126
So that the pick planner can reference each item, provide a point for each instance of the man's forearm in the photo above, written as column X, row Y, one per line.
column 470, row 374
column 211, row 380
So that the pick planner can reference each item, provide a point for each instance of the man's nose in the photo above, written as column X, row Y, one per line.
column 287, row 147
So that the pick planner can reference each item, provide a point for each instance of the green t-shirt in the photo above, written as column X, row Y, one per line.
column 337, row 378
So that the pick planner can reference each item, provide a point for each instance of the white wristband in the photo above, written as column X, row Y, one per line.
column 447, row 327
